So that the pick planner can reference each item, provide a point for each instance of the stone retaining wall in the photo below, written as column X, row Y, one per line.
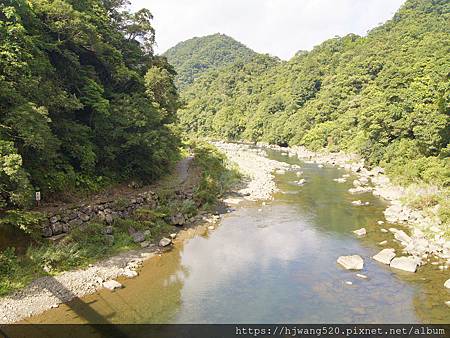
column 63, row 221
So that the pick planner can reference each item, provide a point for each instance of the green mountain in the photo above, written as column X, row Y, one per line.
column 384, row 96
column 194, row 56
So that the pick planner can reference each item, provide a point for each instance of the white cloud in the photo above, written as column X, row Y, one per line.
column 277, row 27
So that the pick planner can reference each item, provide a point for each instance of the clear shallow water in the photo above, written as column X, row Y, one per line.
column 274, row 265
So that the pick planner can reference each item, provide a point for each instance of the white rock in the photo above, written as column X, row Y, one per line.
column 360, row 232
column 359, row 190
column 301, row 181
column 211, row 227
column 380, row 222
column 354, row 262
column 348, row 283
column 232, row 200
column 383, row 243
column 280, row 171
column 447, row 284
column 165, row 242
column 129, row 273
column 404, row 263
column 384, row 230
column 447, row 303
column 320, row 165
column 401, row 236
column 361, row 276
column 112, row 285
column 385, row 256
column 358, row 202
column 173, row 236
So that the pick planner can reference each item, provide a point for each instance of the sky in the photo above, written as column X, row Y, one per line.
column 277, row 27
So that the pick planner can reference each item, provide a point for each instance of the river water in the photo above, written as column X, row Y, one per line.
column 275, row 263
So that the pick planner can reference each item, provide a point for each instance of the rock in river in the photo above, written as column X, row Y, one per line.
column 404, row 263
column 112, row 284
column 360, row 232
column 354, row 262
column 165, row 242
column 447, row 284
column 385, row 256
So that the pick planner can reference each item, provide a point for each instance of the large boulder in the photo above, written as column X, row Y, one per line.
column 353, row 262
column 385, row 256
column 405, row 263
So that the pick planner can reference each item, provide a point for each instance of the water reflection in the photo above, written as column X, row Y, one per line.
column 277, row 263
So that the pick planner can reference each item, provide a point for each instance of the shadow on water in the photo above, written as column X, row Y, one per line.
column 80, row 308
column 153, row 297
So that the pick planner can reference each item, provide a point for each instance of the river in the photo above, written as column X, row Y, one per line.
column 275, row 263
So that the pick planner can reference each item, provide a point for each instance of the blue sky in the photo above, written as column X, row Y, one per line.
column 277, row 27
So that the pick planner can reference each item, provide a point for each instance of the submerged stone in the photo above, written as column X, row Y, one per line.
column 385, row 256
column 360, row 232
column 447, row 284
column 404, row 263
column 353, row 262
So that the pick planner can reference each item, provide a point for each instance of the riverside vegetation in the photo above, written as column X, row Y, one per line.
column 86, row 105
column 384, row 96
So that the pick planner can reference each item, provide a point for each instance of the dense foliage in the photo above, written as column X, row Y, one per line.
column 385, row 96
column 195, row 56
column 83, row 100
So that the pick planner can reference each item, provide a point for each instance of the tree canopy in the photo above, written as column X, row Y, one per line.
column 195, row 56
column 83, row 99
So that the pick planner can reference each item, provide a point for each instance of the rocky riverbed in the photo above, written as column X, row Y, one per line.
column 259, row 170
column 256, row 167
column 426, row 236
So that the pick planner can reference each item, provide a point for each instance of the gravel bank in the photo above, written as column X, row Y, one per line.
column 257, row 168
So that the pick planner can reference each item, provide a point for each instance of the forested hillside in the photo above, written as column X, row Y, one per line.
column 385, row 96
column 83, row 100
column 195, row 56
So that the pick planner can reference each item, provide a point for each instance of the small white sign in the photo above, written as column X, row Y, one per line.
column 38, row 195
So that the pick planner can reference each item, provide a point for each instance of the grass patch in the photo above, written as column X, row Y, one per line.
column 217, row 174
